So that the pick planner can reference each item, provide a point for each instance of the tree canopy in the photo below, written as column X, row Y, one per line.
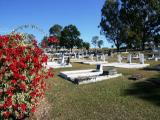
column 131, row 22
column 55, row 30
column 111, row 25
column 96, row 42
column 69, row 36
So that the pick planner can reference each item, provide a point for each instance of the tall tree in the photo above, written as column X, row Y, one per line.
column 79, row 43
column 94, row 41
column 100, row 43
column 111, row 25
column 142, row 18
column 86, row 45
column 69, row 36
column 55, row 30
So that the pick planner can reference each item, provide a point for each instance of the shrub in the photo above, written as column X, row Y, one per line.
column 22, row 76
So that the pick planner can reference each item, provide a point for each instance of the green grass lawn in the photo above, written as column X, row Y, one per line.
column 114, row 99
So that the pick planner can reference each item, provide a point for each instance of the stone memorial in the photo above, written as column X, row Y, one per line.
column 91, row 58
column 68, row 61
column 97, row 58
column 156, row 58
column 75, row 55
column 78, row 55
column 129, row 58
column 110, row 70
column 119, row 58
column 141, row 58
column 104, row 58
column 99, row 67
column 62, row 60
column 83, row 56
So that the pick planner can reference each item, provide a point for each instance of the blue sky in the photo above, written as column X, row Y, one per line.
column 85, row 14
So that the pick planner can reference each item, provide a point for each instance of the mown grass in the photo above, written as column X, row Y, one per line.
column 114, row 99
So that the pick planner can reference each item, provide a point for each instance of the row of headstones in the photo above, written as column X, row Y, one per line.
column 156, row 58
column 129, row 58
column 99, row 58
column 78, row 55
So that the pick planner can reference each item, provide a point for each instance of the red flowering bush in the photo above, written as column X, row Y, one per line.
column 53, row 39
column 48, row 41
column 22, row 76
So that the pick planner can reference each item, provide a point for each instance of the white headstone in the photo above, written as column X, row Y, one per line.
column 62, row 60
column 104, row 58
column 97, row 57
column 78, row 55
column 141, row 58
column 129, row 58
column 86, row 53
column 156, row 59
column 91, row 57
column 82, row 55
column 139, row 54
column 75, row 56
column 119, row 58
column 99, row 67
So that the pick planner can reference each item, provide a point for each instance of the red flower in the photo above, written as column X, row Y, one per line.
column 23, row 107
column 8, row 102
column 9, row 92
column 22, row 86
column 33, row 109
column 1, row 106
column 44, row 59
column 0, row 53
column 43, row 44
column 33, row 94
column 13, row 81
column 53, row 39
column 6, row 114
column 21, row 71
column 15, row 106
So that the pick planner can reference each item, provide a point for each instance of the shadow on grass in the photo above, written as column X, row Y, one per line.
column 148, row 90
column 153, row 68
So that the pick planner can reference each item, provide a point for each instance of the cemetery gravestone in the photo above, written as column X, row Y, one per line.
column 75, row 55
column 119, row 58
column 129, row 58
column 91, row 57
column 104, row 59
column 110, row 70
column 99, row 67
column 141, row 58
column 68, row 61
column 78, row 56
column 62, row 60
column 96, row 57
